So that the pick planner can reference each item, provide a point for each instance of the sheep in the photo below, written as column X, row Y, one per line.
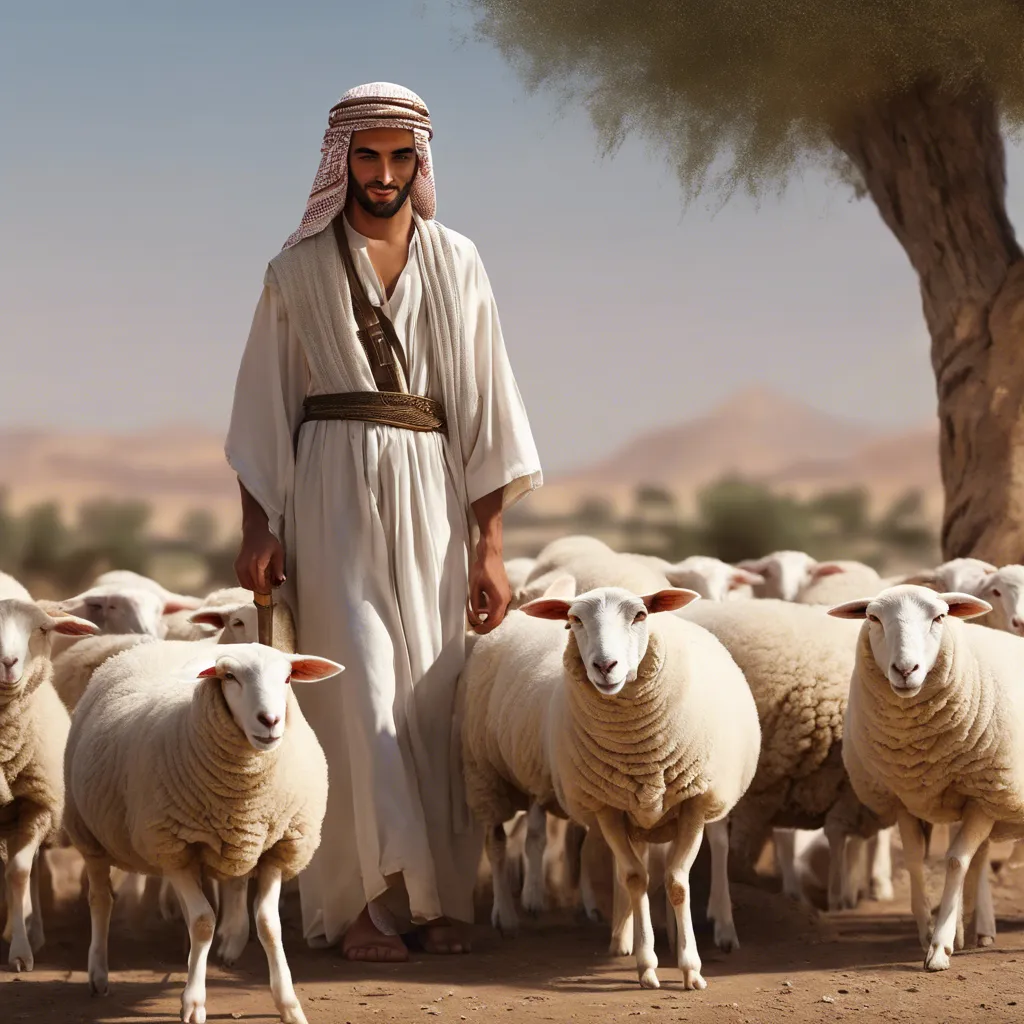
column 1004, row 590
column 237, row 622
column 74, row 666
column 712, row 578
column 797, row 662
column 593, row 567
column 517, row 570
column 958, row 575
column 33, row 728
column 934, row 733
column 784, row 572
column 652, row 734
column 830, row 583
column 198, row 766
column 135, row 581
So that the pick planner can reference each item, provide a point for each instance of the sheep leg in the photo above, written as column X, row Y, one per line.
column 503, row 912
column 632, row 874
column 912, row 838
column 170, row 908
column 8, row 912
column 681, row 855
column 233, row 927
column 838, row 866
column 880, row 853
column 36, row 934
column 720, row 901
column 21, row 856
column 268, row 927
column 978, row 899
column 534, row 897
column 622, row 917
column 856, row 870
column 201, row 923
column 101, row 904
column 974, row 831
column 784, row 841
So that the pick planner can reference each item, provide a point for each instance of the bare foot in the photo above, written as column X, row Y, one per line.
column 364, row 941
column 444, row 936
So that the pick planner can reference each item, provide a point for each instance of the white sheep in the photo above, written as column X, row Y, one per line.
column 136, row 581
column 198, row 767
column 797, row 662
column 652, row 735
column 712, row 578
column 1004, row 590
column 237, row 621
column 33, row 729
column 958, row 575
column 935, row 733
column 784, row 572
column 840, row 580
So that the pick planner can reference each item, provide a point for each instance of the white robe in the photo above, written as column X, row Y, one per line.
column 375, row 542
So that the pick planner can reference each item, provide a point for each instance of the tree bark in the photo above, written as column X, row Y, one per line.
column 933, row 162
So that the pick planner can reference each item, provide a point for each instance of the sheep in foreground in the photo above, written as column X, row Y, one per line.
column 198, row 766
column 652, row 735
column 33, row 729
column 935, row 733
column 797, row 662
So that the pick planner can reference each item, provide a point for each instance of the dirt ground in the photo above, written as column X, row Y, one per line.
column 795, row 965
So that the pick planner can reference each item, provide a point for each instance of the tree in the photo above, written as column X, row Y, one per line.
column 198, row 530
column 903, row 98
column 114, row 532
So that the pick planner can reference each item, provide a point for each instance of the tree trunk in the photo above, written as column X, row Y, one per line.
column 934, row 164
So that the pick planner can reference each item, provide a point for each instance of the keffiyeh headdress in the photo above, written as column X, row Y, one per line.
column 375, row 105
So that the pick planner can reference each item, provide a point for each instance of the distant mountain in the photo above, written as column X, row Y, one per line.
column 756, row 433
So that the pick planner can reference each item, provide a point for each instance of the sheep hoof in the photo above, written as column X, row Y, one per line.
column 619, row 947
column 99, row 984
column 506, row 925
column 726, row 938
column 881, row 891
column 937, row 958
column 534, row 901
column 193, row 1009
column 20, row 959
column 231, row 948
column 693, row 981
column 986, row 940
column 292, row 1015
column 649, row 979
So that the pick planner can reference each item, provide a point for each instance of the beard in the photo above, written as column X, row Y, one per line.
column 385, row 209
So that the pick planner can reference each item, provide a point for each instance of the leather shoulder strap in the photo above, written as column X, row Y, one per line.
column 376, row 339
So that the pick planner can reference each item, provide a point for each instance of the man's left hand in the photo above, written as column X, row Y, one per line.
column 489, row 592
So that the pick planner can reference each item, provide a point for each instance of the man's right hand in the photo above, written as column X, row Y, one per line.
column 260, row 563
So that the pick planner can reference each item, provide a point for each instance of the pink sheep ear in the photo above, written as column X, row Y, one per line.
column 669, row 600
column 306, row 669
column 741, row 576
column 208, row 618
column 210, row 672
column 547, row 608
column 965, row 606
column 72, row 625
column 851, row 609
column 753, row 564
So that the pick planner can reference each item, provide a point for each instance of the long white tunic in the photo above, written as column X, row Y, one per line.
column 377, row 562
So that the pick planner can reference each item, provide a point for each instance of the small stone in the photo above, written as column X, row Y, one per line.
column 788, row 984
column 828, row 999
column 961, row 977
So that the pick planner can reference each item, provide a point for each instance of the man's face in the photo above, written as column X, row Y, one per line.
column 381, row 166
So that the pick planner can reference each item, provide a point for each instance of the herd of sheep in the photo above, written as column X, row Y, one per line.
column 635, row 705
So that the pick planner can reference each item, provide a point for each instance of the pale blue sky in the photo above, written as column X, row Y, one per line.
column 156, row 155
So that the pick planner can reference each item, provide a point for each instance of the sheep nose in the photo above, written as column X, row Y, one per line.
column 268, row 720
column 905, row 671
column 1017, row 624
column 604, row 667
column 8, row 662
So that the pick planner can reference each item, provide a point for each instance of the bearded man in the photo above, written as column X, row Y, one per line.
column 376, row 449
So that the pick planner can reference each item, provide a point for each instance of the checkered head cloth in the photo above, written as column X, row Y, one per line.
column 375, row 105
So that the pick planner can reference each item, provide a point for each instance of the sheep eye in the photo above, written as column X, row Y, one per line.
column 872, row 618
column 229, row 675
column 996, row 593
column 238, row 624
column 640, row 616
column 573, row 620
column 938, row 618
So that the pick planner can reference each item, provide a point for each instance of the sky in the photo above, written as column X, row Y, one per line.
column 155, row 156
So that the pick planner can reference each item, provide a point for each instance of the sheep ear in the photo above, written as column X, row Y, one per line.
column 852, row 609
column 561, row 587
column 547, row 608
column 965, row 606
column 208, row 617
column 669, row 600
column 741, row 576
column 753, row 564
column 310, row 670
column 181, row 604
column 72, row 625
column 210, row 672
column 824, row 569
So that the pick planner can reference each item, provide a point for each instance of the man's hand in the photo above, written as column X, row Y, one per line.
column 260, row 563
column 489, row 592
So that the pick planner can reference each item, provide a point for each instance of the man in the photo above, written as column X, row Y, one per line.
column 381, row 517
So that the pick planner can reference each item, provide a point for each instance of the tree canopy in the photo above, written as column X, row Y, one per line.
column 741, row 93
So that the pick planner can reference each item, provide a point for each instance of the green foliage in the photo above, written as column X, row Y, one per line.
column 741, row 93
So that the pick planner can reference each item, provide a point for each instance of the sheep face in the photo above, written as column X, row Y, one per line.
column 121, row 609
column 238, row 623
column 255, row 679
column 710, row 577
column 1004, row 590
column 610, row 627
column 25, row 633
column 905, row 625
column 784, row 572
column 964, row 575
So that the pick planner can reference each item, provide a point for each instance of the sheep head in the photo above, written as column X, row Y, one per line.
column 710, row 577
column 610, row 627
column 785, row 572
column 255, row 682
column 25, row 634
column 1004, row 590
column 905, row 626
column 123, row 609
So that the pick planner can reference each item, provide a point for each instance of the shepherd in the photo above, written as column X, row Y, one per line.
column 378, row 435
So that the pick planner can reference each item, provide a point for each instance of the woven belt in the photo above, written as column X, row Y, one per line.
column 392, row 408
